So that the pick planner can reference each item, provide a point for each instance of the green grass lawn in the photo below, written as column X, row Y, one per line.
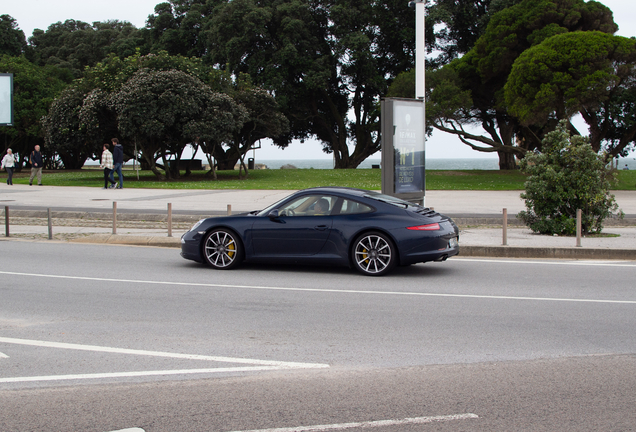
column 301, row 179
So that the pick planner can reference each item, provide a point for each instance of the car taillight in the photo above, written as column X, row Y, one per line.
column 428, row 227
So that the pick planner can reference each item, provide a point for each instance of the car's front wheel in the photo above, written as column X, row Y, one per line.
column 374, row 254
column 222, row 249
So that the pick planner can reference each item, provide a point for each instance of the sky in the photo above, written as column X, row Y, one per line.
column 32, row 14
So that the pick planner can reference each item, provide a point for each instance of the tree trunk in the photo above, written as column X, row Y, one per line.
column 507, row 161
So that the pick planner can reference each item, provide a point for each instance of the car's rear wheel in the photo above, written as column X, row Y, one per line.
column 374, row 254
column 222, row 249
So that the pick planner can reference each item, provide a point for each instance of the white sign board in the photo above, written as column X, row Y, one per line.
column 6, row 99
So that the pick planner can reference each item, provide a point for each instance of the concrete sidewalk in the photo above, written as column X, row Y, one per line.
column 479, row 214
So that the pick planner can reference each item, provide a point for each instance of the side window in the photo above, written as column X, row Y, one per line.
column 354, row 207
column 310, row 205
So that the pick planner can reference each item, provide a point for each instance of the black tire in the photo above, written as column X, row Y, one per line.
column 222, row 249
column 374, row 254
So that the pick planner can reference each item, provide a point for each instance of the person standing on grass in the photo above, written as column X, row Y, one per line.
column 118, row 161
column 107, row 164
column 35, row 159
column 8, row 163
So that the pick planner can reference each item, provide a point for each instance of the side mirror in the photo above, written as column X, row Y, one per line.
column 273, row 214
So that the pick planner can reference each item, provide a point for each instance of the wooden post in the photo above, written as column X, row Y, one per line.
column 229, row 209
column 114, row 217
column 169, row 219
column 6, row 221
column 505, row 227
column 50, row 224
column 578, row 227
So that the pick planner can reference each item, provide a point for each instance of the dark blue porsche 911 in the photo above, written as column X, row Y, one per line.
column 366, row 230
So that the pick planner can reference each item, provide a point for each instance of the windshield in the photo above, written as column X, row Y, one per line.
column 391, row 200
column 268, row 209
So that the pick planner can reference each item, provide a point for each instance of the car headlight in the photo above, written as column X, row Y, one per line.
column 196, row 225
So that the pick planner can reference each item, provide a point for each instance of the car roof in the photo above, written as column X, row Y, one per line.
column 337, row 189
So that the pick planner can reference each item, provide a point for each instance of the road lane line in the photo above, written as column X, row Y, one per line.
column 370, row 424
column 137, row 374
column 324, row 290
column 2, row 355
column 94, row 348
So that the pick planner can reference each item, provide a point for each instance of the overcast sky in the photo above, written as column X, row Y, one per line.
column 32, row 14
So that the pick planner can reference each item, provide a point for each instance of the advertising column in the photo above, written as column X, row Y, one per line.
column 403, row 149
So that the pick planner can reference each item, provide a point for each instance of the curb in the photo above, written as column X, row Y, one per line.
column 545, row 252
column 130, row 240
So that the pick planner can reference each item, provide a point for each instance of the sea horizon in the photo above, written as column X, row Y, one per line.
column 433, row 164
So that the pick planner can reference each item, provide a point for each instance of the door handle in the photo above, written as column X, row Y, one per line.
column 321, row 227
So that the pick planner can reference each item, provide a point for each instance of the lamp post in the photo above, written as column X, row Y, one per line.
column 420, row 46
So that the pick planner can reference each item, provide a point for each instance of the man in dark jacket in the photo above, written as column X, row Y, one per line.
column 118, row 161
column 35, row 159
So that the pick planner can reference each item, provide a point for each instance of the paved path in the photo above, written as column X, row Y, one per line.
column 210, row 201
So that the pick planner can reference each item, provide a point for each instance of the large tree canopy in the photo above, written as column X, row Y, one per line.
column 176, row 27
column 477, row 79
column 12, row 40
column 327, row 63
column 163, row 111
column 453, row 26
column 590, row 73
column 198, row 106
column 75, row 44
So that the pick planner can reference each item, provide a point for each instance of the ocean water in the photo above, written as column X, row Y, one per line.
column 433, row 164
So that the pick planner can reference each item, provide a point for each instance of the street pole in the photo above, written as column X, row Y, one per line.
column 420, row 47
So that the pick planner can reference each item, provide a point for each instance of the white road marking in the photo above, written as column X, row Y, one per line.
column 2, row 355
column 324, row 290
column 130, row 430
column 261, row 365
column 370, row 424
column 136, row 374
column 94, row 348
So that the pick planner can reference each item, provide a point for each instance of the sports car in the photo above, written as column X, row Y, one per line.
column 366, row 230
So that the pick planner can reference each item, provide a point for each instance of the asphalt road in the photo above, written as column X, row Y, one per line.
column 105, row 338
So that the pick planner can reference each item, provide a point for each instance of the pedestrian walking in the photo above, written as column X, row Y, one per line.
column 107, row 164
column 8, row 163
column 35, row 159
column 118, row 161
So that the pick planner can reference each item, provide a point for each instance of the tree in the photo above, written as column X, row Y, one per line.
column 567, row 175
column 34, row 89
column 74, row 45
column 12, row 40
column 175, row 27
column 327, row 63
column 482, row 73
column 590, row 73
column 453, row 26
column 65, row 135
column 264, row 120
column 163, row 111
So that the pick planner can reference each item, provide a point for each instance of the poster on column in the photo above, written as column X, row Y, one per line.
column 409, row 145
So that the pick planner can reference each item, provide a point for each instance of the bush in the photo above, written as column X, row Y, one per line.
column 568, row 175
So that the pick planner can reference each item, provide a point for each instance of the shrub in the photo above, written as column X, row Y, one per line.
column 567, row 175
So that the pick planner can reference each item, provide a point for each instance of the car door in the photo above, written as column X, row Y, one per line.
column 301, row 228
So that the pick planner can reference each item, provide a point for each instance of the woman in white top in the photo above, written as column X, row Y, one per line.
column 8, row 163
